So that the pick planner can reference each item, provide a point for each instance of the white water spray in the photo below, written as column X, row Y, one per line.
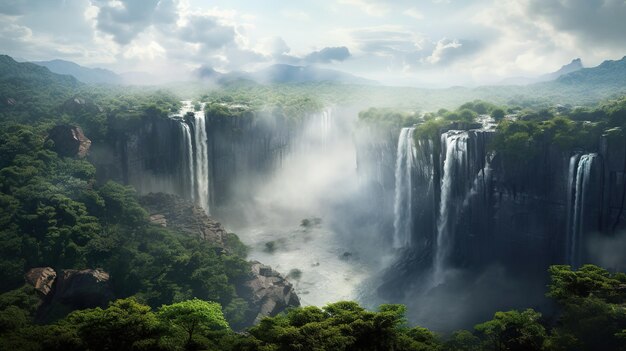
column 402, row 209
column 187, row 144
column 201, row 161
column 579, row 178
column 454, row 144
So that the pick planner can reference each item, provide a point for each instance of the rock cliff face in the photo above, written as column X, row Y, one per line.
column 156, row 156
column 148, row 157
column 69, row 141
column 244, row 150
column 475, row 207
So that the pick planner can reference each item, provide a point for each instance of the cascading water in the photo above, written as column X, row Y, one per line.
column 402, row 209
column 579, row 179
column 195, row 149
column 454, row 145
column 201, row 161
column 187, row 146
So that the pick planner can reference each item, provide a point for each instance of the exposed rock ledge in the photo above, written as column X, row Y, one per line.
column 172, row 211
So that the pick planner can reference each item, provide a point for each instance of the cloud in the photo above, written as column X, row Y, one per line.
column 592, row 21
column 327, row 55
column 274, row 46
column 124, row 20
column 295, row 15
column 385, row 40
column 414, row 13
column 447, row 51
column 206, row 30
column 370, row 7
column 11, row 7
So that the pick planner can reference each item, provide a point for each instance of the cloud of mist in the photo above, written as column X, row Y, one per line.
column 608, row 251
column 316, row 179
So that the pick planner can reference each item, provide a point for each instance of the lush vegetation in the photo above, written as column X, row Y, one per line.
column 561, row 127
column 54, row 213
column 592, row 316
column 279, row 100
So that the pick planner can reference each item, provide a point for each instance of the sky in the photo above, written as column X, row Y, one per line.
column 430, row 43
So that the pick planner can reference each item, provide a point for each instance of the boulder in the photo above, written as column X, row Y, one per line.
column 42, row 279
column 268, row 292
column 68, row 290
column 69, row 141
column 85, row 288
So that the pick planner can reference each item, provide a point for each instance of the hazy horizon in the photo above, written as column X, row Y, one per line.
column 434, row 43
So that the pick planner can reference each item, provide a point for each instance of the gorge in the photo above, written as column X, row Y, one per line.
column 427, row 210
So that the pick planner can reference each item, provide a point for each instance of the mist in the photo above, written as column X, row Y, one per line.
column 608, row 251
column 305, row 216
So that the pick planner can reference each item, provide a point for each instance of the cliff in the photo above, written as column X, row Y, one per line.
column 475, row 207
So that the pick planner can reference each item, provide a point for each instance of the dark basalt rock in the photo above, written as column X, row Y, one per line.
column 69, row 141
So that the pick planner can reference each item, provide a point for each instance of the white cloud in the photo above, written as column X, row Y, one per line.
column 414, row 13
column 370, row 7
column 441, row 49
column 296, row 15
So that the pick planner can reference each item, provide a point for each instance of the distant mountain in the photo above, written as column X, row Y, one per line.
column 281, row 73
column 26, row 73
column 83, row 74
column 30, row 88
column 573, row 66
column 608, row 73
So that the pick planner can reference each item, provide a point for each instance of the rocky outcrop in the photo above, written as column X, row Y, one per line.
column 69, row 290
column 172, row 211
column 69, row 141
column 267, row 292
column 42, row 279
column 85, row 288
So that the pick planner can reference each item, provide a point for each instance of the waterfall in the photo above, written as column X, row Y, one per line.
column 201, row 161
column 579, row 179
column 188, row 149
column 326, row 124
column 402, row 209
column 454, row 145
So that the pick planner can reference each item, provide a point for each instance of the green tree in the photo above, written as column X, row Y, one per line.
column 513, row 331
column 124, row 325
column 498, row 114
column 194, row 316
